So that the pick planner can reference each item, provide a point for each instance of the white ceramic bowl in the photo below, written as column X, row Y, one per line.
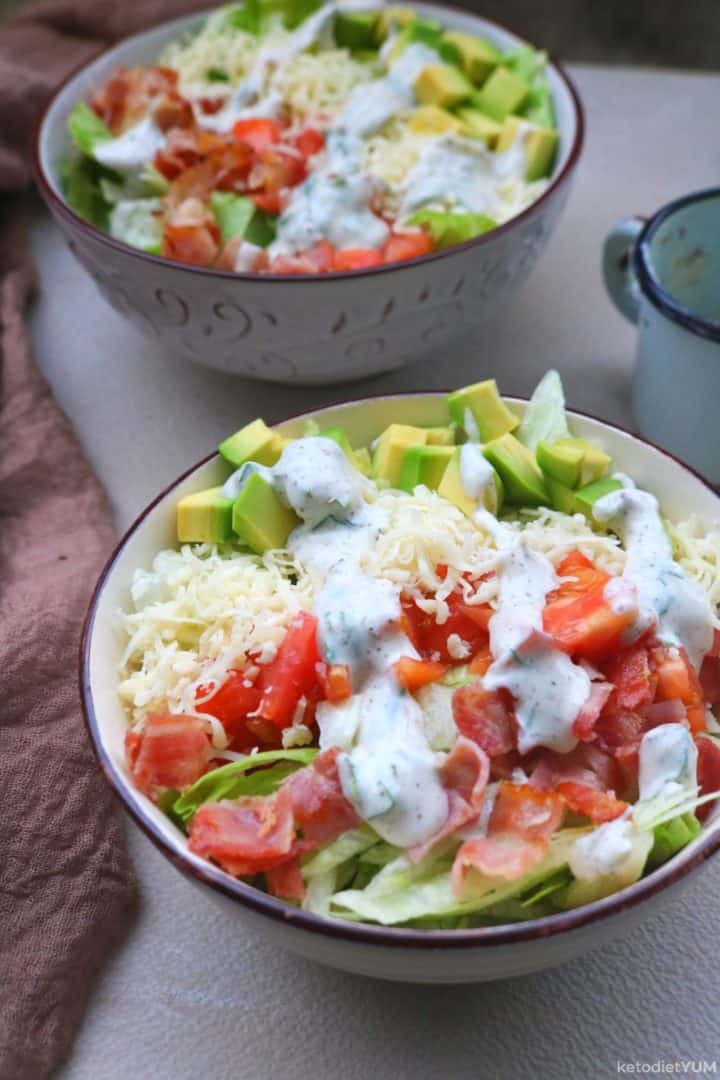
column 450, row 956
column 306, row 329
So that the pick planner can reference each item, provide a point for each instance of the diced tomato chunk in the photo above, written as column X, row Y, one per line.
column 410, row 245
column 481, row 660
column 293, row 672
column 258, row 132
column 414, row 674
column 710, row 679
column 357, row 258
column 708, row 771
column 233, row 703
column 485, row 717
column 277, row 169
column 335, row 681
column 578, row 575
column 172, row 751
column 466, row 622
column 677, row 680
column 309, row 142
column 269, row 201
column 599, row 806
column 586, row 626
column 320, row 256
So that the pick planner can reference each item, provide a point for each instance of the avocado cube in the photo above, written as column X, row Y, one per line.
column 390, row 449
column 260, row 518
column 424, row 465
column 503, row 93
column 355, row 29
column 441, row 84
column 254, row 442
column 237, row 215
column 478, row 57
column 359, row 459
column 391, row 18
column 448, row 229
column 587, row 496
column 562, row 498
column 482, row 409
column 563, row 463
column 432, row 120
column 522, row 480
column 539, row 145
column 441, row 436
column 476, row 125
column 451, row 488
column 204, row 517
column 595, row 461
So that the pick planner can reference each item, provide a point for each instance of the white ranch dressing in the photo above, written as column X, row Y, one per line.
column 387, row 770
column 668, row 763
column 372, row 104
column 608, row 849
column 477, row 475
column 548, row 688
column 666, row 598
column 134, row 148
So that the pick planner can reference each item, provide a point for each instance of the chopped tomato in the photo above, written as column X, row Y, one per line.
column 172, row 751
column 677, row 680
column 357, row 258
column 286, row 880
column 320, row 256
column 468, row 622
column 196, row 244
column 309, row 141
column 414, row 674
column 485, row 717
column 710, row 679
column 578, row 575
column 232, row 703
column 293, row 672
column 258, row 132
column 481, row 661
column 708, row 771
column 630, row 674
column 599, row 806
column 410, row 245
column 335, row 681
column 269, row 201
column 586, row 625
column 277, row 169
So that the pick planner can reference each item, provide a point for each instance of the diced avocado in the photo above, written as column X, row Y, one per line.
column 595, row 461
column 259, row 517
column 424, row 465
column 391, row 446
column 481, row 404
column 451, row 488
column 539, row 108
column 477, row 125
column 391, row 18
column 523, row 482
column 478, row 57
column 204, row 517
column 431, row 119
column 503, row 93
column 422, row 32
column 562, row 498
column 448, row 229
column 254, row 442
column 355, row 29
column 587, row 496
column 539, row 145
column 561, row 462
column 441, row 436
column 359, row 459
column 442, row 84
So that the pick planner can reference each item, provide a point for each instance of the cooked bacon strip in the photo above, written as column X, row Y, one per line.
column 464, row 775
column 172, row 751
column 286, row 881
column 486, row 717
column 599, row 806
column 584, row 726
column 521, row 823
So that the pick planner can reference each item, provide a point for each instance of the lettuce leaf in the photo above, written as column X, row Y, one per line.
column 672, row 836
column 235, row 780
column 346, row 846
column 87, row 129
column 81, row 178
column 544, row 419
column 138, row 222
column 237, row 215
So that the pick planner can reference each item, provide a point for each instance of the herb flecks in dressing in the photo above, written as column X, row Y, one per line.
column 667, row 599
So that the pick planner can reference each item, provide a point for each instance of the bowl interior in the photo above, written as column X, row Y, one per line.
column 681, row 494
column 54, row 140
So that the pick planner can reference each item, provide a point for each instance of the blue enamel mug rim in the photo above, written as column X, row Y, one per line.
column 664, row 301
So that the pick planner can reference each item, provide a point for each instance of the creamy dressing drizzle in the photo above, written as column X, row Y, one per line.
column 387, row 770
column 666, row 598
column 477, row 475
column 133, row 149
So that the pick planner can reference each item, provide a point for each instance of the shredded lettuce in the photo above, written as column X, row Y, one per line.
column 235, row 780
column 345, row 847
column 544, row 419
column 81, row 183
column 672, row 836
column 138, row 222
column 87, row 129
column 237, row 215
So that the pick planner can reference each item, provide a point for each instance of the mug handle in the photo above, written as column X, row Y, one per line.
column 620, row 280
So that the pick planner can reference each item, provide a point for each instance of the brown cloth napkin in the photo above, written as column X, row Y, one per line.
column 66, row 884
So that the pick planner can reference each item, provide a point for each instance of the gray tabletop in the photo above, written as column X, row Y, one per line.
column 189, row 993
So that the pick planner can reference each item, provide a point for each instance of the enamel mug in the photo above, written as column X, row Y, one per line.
column 664, row 275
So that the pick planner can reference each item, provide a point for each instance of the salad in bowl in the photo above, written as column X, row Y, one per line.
column 300, row 137
column 460, row 677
